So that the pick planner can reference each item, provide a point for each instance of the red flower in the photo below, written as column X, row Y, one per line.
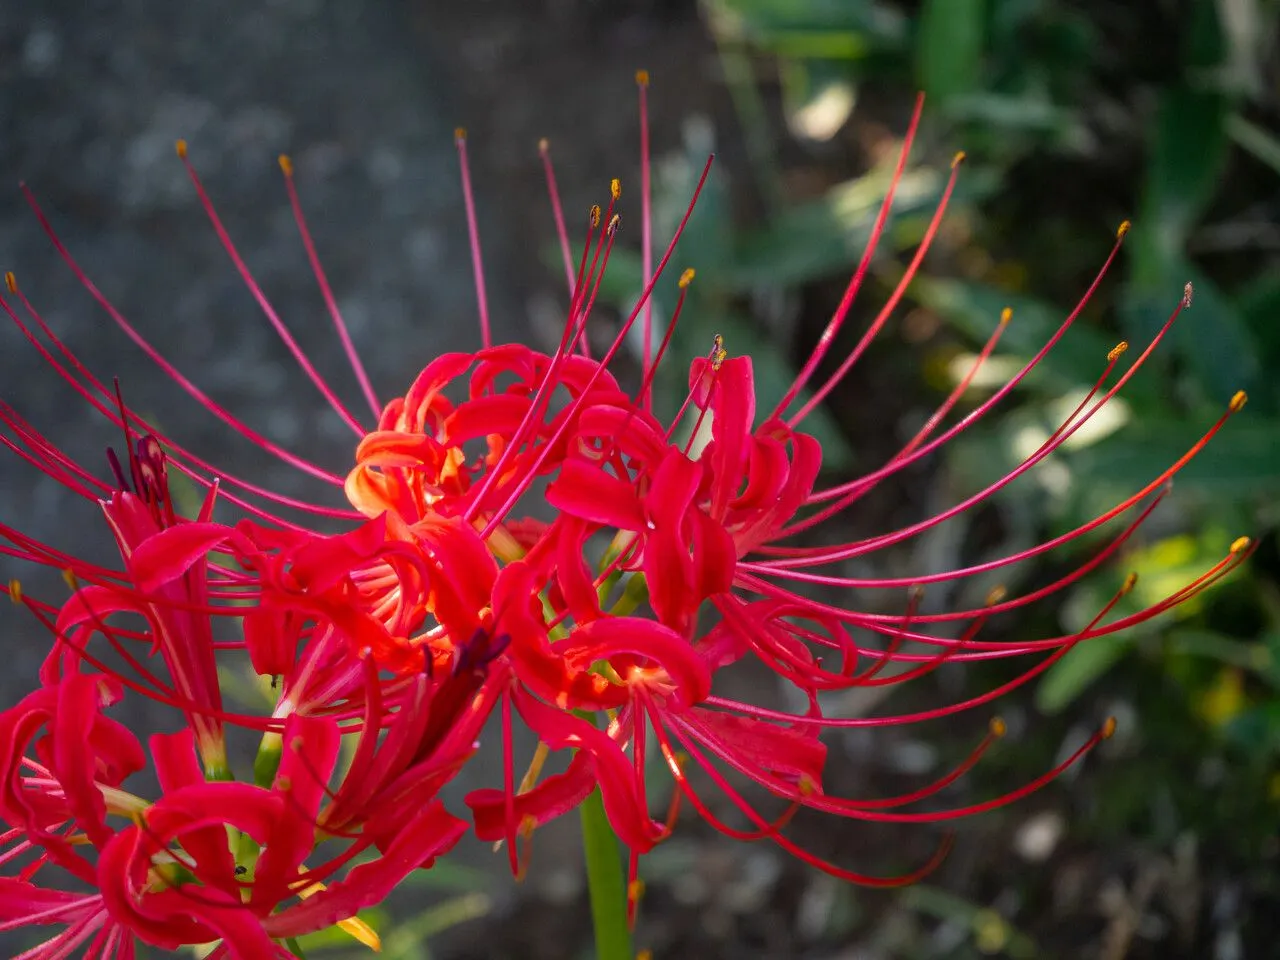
column 454, row 592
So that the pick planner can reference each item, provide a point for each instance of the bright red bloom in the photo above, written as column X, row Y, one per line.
column 455, row 592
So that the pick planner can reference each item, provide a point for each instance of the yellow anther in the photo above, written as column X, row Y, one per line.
column 1109, row 728
column 635, row 890
column 1238, row 401
column 998, row 593
column 69, row 578
column 806, row 785
column 645, row 954
column 613, row 223
column 459, row 134
column 1241, row 544
column 11, row 282
column 359, row 930
column 642, row 77
column 530, row 779
column 1005, row 316
column 686, row 278
column 997, row 727
column 957, row 159
column 15, row 590
column 1114, row 353
column 615, row 188
column 286, row 165
column 1124, row 228
column 543, row 145
column 718, row 359
column 1186, row 294
column 181, row 147
column 595, row 215
column 1130, row 582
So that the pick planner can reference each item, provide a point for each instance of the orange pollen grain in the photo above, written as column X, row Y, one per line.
column 286, row 165
column 1114, row 354
column 997, row 727
column 1240, row 544
column 1109, row 728
column 1123, row 229
column 1238, row 401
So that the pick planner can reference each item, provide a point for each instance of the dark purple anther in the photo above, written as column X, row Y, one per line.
column 116, row 470
column 480, row 651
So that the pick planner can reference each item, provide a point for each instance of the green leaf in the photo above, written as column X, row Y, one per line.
column 1184, row 170
column 826, row 236
column 1254, row 140
column 1077, row 670
column 1214, row 339
column 1256, row 657
column 949, row 47
column 820, row 28
column 1243, row 459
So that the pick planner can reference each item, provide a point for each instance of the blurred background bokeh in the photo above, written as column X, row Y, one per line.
column 1074, row 116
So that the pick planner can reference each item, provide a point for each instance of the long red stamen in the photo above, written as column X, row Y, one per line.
column 557, row 213
column 646, row 222
column 890, row 305
column 263, row 303
column 322, row 280
column 859, row 275
column 473, row 237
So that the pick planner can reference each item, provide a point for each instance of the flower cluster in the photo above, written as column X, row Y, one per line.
column 525, row 539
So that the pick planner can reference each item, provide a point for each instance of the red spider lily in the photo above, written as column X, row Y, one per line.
column 209, row 860
column 663, row 562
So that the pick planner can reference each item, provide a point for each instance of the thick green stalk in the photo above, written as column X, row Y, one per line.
column 606, row 881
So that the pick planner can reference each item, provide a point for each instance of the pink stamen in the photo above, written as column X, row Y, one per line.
column 890, row 305
column 646, row 221
column 322, row 280
column 859, row 274
column 261, row 298
column 473, row 236
column 557, row 214
column 169, row 369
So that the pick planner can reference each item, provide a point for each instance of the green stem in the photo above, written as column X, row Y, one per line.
column 606, row 881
